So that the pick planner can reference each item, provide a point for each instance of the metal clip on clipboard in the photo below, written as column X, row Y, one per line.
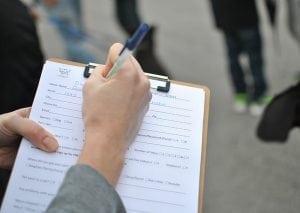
column 158, row 82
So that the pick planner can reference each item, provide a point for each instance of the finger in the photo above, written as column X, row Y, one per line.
column 98, row 73
column 149, row 96
column 112, row 57
column 24, row 112
column 32, row 131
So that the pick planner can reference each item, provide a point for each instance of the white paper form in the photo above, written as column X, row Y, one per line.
column 162, row 166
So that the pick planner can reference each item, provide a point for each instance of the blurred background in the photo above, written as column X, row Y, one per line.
column 243, row 174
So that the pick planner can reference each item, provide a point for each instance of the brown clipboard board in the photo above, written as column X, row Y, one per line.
column 204, row 139
column 204, row 132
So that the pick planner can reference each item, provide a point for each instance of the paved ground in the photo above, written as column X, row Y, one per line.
column 243, row 174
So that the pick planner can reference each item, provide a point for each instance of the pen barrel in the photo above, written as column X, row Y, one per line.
column 120, row 61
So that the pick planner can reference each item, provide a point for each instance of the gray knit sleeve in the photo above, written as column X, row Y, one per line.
column 85, row 190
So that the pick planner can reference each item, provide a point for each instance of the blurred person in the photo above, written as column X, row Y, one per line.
column 21, row 62
column 294, row 19
column 112, row 114
column 281, row 116
column 66, row 15
column 128, row 16
column 21, row 58
column 239, row 23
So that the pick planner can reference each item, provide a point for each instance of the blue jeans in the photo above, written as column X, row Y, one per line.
column 67, row 15
column 246, row 42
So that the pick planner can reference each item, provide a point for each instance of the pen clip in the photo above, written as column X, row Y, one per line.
column 159, row 82
column 89, row 68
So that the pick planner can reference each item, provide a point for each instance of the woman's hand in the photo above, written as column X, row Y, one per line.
column 13, row 126
column 113, row 111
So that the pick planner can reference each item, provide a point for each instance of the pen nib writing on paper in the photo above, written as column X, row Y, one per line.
column 130, row 45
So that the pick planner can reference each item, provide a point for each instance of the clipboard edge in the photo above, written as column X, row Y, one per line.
column 204, row 132
column 63, row 61
column 204, row 138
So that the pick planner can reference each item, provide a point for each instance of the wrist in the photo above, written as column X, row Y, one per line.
column 105, row 153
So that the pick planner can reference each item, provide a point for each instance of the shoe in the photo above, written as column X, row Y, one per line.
column 257, row 108
column 240, row 103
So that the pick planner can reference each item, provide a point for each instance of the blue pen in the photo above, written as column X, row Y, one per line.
column 130, row 45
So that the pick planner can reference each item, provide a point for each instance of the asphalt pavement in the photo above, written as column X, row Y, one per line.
column 243, row 174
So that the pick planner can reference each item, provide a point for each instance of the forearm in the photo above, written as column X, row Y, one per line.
column 103, row 153
column 95, row 193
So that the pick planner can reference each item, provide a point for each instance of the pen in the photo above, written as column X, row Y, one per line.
column 130, row 45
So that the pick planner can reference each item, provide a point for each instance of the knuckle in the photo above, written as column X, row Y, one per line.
column 150, row 96
column 148, row 84
column 145, row 83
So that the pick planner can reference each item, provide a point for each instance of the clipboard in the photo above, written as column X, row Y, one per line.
column 164, row 86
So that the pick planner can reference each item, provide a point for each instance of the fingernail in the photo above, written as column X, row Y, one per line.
column 50, row 144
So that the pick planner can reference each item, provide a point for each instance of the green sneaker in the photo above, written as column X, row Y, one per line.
column 240, row 103
column 257, row 107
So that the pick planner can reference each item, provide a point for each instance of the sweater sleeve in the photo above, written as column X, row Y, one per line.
column 85, row 190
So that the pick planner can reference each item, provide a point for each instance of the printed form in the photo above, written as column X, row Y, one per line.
column 162, row 166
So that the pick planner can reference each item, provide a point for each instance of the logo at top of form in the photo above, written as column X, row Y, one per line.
column 64, row 72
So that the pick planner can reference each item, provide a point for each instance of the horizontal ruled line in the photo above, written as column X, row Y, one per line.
column 170, row 97
column 178, row 108
column 155, row 144
column 65, row 115
column 144, row 187
column 187, row 116
column 61, row 127
column 68, row 109
column 55, row 99
column 182, row 122
column 182, row 99
column 168, row 133
column 153, row 201
column 68, row 95
column 172, row 127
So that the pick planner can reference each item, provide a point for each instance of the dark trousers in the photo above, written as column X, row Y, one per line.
column 246, row 42
column 21, row 59
column 127, row 15
column 21, row 62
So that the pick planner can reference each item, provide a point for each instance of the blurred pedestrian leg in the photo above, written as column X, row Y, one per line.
column 129, row 19
column 294, row 18
column 239, row 23
column 246, row 41
column 21, row 58
column 21, row 62
column 66, row 15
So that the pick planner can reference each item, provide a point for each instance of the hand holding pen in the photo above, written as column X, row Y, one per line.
column 112, row 114
column 129, row 47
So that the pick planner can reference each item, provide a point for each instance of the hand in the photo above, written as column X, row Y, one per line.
column 15, row 124
column 112, row 112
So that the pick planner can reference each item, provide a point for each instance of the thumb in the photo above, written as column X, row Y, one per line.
column 98, row 73
column 112, row 57
column 18, row 123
